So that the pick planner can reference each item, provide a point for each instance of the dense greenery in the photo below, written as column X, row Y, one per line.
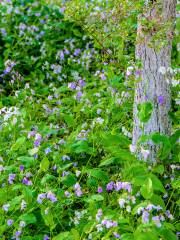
column 67, row 166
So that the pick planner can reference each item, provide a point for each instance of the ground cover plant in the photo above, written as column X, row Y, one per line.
column 68, row 169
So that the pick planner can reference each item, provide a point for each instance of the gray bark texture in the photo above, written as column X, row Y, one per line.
column 153, row 83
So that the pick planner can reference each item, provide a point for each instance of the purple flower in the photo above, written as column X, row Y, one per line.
column 110, row 186
column 77, row 52
column 99, row 214
column 79, row 95
column 118, row 186
column 121, row 202
column 46, row 237
column 161, row 100
column 47, row 150
column 3, row 31
column 10, row 222
column 102, row 76
column 82, row 83
column 6, row 207
column 145, row 217
column 62, row 9
column 37, row 143
column 41, row 197
column 51, row 196
column 18, row 233
column 100, row 190
column 21, row 168
column 116, row 235
column 26, row 181
column 67, row 194
column 11, row 178
column 22, row 224
column 65, row 157
column 72, row 85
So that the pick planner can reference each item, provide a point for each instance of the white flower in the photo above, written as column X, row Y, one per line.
column 145, row 153
column 132, row 148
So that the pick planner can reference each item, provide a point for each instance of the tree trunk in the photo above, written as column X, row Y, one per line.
column 154, row 84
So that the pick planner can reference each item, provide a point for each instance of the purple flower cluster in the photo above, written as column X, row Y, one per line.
column 119, row 186
column 78, row 190
column 109, row 223
column 51, row 196
column 11, row 178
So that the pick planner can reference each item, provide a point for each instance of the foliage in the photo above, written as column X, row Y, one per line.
column 67, row 169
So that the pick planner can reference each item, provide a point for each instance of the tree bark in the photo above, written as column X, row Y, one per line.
column 154, row 84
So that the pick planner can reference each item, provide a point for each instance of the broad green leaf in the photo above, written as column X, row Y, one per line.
column 96, row 197
column 156, row 183
column 29, row 218
column 62, row 236
column 157, row 200
column 147, row 189
column 27, row 161
column 145, row 111
column 97, row 173
column 127, row 236
column 166, row 145
column 19, row 142
column 44, row 165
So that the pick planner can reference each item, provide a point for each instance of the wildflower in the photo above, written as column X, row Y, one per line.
column 121, row 202
column 67, row 194
column 99, row 120
column 11, row 178
column 77, row 189
column 116, row 235
column 41, row 197
column 1, row 168
column 46, row 237
column 145, row 217
column 52, row 197
column 77, row 52
column 128, row 208
column 26, row 181
column 99, row 214
column 22, row 224
column 110, row 186
column 132, row 148
column 118, row 186
column 99, row 111
column 81, row 83
column 100, row 190
column 47, row 150
column 3, row 31
column 21, row 168
column 6, row 207
column 65, row 157
column 10, row 222
column 156, row 220
column 161, row 100
column 23, row 204
column 18, row 233
column 79, row 95
column 78, row 173
column 129, row 71
column 145, row 153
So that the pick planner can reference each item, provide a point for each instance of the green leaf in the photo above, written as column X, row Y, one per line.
column 29, row 218
column 27, row 161
column 97, row 173
column 127, row 236
column 147, row 189
column 44, row 165
column 62, row 236
column 69, row 119
column 145, row 111
column 96, row 197
column 159, row 169
column 156, row 183
column 69, row 180
column 19, row 142
column 166, row 145
column 48, row 218
column 157, row 200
